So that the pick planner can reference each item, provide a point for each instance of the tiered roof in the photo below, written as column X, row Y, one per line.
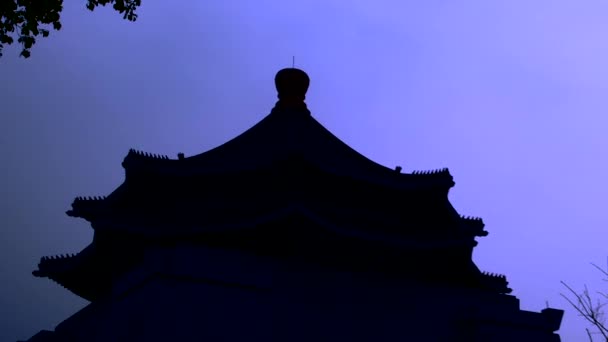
column 285, row 170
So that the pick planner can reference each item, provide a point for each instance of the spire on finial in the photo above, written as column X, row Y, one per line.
column 291, row 84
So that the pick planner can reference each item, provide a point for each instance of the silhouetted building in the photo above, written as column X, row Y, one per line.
column 284, row 233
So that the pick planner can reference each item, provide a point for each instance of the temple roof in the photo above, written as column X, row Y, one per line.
column 289, row 131
column 287, row 160
column 286, row 167
column 285, row 133
column 282, row 134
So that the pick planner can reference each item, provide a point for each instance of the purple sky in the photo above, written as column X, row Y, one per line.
column 510, row 95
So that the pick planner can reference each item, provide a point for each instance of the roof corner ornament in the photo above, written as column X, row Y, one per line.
column 180, row 156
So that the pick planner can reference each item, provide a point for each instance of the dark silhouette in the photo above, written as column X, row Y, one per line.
column 284, row 233
column 25, row 20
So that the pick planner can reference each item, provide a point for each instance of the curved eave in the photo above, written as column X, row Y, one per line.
column 73, row 272
column 473, row 225
column 55, row 264
column 495, row 282
column 72, row 281
column 122, row 206
column 280, row 135
column 87, row 208
column 185, row 230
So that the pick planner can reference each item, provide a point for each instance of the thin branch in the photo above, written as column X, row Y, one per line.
column 601, row 270
column 585, row 308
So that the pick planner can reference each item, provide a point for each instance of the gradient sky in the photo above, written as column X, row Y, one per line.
column 510, row 95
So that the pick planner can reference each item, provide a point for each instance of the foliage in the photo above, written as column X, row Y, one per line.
column 27, row 19
column 593, row 313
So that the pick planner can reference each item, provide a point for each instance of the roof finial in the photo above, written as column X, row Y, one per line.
column 293, row 62
column 291, row 84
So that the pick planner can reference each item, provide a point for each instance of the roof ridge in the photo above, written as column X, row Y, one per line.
column 143, row 154
column 434, row 172
column 475, row 224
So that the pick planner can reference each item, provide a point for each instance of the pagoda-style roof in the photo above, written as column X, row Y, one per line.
column 285, row 170
column 285, row 133
column 289, row 131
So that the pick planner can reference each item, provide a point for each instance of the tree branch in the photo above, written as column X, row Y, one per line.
column 585, row 308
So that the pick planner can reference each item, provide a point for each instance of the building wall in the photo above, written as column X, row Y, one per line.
column 194, row 294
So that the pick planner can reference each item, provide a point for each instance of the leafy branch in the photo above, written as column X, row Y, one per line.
column 24, row 20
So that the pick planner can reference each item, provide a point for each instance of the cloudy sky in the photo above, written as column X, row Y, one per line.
column 510, row 95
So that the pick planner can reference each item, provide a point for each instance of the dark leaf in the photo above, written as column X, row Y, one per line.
column 28, row 42
column 54, row 16
column 57, row 25
column 4, row 39
column 25, row 54
column 45, row 33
